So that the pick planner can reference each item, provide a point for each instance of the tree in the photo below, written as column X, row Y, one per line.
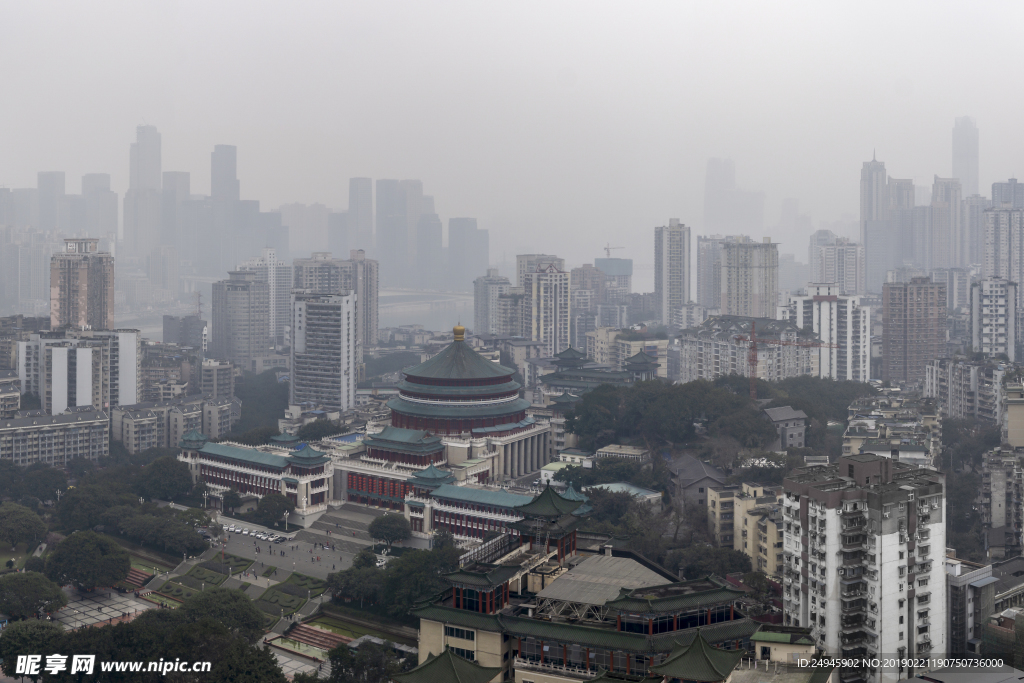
column 263, row 398
column 372, row 664
column 18, row 523
column 417, row 574
column 748, row 426
column 362, row 583
column 364, row 558
column 29, row 638
column 43, row 483
column 35, row 564
column 87, row 560
column 23, row 595
column 390, row 528
column 272, row 508
column 84, row 506
column 700, row 560
column 256, row 437
column 318, row 429
column 228, row 607
column 247, row 664
column 166, row 478
column 231, row 499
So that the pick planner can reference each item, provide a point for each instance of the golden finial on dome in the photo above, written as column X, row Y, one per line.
column 460, row 332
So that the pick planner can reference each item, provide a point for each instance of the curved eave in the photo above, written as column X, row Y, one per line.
column 468, row 391
column 404, row 407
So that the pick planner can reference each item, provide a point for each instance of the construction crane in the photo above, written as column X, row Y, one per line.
column 608, row 249
column 752, row 355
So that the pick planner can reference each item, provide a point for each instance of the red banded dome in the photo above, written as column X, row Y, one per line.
column 457, row 391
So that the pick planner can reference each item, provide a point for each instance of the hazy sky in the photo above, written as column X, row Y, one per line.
column 560, row 126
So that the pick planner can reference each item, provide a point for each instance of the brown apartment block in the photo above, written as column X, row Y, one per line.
column 82, row 286
column 914, row 315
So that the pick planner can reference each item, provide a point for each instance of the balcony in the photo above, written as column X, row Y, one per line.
column 577, row 672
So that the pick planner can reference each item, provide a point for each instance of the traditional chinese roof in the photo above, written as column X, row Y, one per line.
column 641, row 358
column 459, row 361
column 586, row 636
column 432, row 472
column 448, row 667
column 572, row 494
column 192, row 440
column 675, row 596
column 571, row 354
column 306, row 455
column 483, row 575
column 565, row 398
column 699, row 661
column 457, row 411
column 548, row 504
column 404, row 440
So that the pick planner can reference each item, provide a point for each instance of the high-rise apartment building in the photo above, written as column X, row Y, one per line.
column 528, row 263
column 360, row 213
column 994, row 305
column 750, row 278
column 431, row 273
column 323, row 274
column 671, row 267
column 468, row 252
column 67, row 369
column 278, row 276
column 546, row 307
column 841, row 262
column 217, row 379
column 618, row 270
column 51, row 197
column 1004, row 244
column 241, row 318
column 914, row 332
column 839, row 320
column 324, row 350
column 864, row 547
column 709, row 270
column 511, row 313
column 1008, row 195
column 819, row 238
column 974, row 208
column 486, row 290
column 965, row 154
column 145, row 165
column 189, row 331
column 82, row 286
column 876, row 234
column 949, row 246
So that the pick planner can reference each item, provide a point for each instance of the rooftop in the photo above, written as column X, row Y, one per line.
column 784, row 413
column 598, row 579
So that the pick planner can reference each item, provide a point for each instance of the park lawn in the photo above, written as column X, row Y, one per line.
column 244, row 586
column 20, row 554
column 149, row 566
column 178, row 591
column 235, row 564
column 344, row 628
column 205, row 575
column 269, row 571
column 278, row 602
column 314, row 586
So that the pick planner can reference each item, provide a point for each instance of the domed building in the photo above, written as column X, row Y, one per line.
column 457, row 392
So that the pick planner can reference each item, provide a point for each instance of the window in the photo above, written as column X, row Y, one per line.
column 471, row 655
column 464, row 634
column 901, row 618
column 901, row 637
column 700, row 490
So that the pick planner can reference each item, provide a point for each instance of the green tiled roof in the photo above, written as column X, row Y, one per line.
column 458, row 411
column 587, row 636
column 432, row 472
column 459, row 361
column 192, row 439
column 490, row 575
column 448, row 667
column 641, row 358
column 676, row 596
column 776, row 637
column 405, row 440
column 573, row 494
column 571, row 353
column 484, row 497
column 290, row 480
column 284, row 438
column 242, row 454
column 698, row 661
column 554, row 528
column 548, row 504
column 508, row 426
column 566, row 398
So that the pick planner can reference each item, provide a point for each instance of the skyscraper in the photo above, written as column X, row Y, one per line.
column 360, row 213
column 949, row 246
column 142, row 201
column 339, row 235
column 671, row 267
column 486, row 290
column 177, row 189
column 1004, row 244
column 819, row 238
column 974, row 208
column 546, row 312
column 224, row 183
column 750, row 278
column 842, row 263
column 51, row 199
column 875, row 233
column 278, row 276
column 392, row 236
column 101, row 215
column 468, row 252
column 82, row 286
column 965, row 154
column 727, row 208
column 225, row 189
column 914, row 332
column 324, row 350
column 1008, row 195
column 618, row 270
column 241, row 318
